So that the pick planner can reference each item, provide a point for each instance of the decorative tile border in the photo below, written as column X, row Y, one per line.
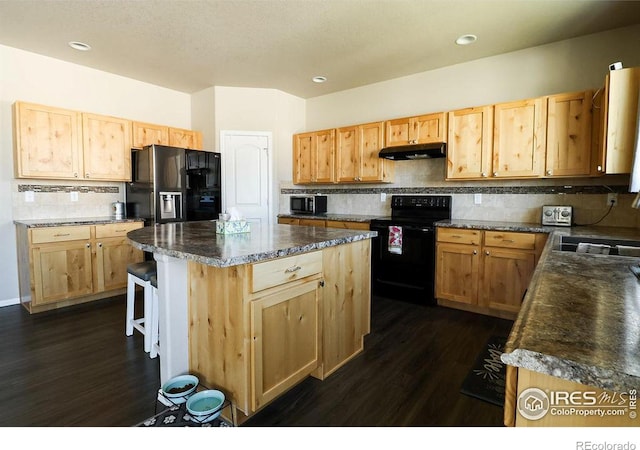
column 603, row 189
column 45, row 188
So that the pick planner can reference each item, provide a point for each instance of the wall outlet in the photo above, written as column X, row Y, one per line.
column 612, row 198
column 477, row 199
column 383, row 196
column 74, row 196
column 29, row 196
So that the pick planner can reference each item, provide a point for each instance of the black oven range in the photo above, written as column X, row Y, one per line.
column 403, row 254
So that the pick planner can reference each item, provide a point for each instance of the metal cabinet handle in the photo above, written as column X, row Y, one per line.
column 495, row 174
column 75, row 174
column 61, row 234
column 100, row 244
column 88, row 245
column 292, row 269
column 508, row 241
column 486, row 252
column 475, row 252
column 86, row 175
column 484, row 174
column 549, row 172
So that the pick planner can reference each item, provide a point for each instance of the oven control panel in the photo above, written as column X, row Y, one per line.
column 557, row 215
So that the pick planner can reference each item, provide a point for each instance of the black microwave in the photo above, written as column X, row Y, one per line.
column 308, row 204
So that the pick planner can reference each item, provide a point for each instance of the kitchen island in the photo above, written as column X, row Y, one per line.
column 573, row 354
column 255, row 313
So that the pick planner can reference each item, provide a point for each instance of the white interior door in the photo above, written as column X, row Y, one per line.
column 246, row 175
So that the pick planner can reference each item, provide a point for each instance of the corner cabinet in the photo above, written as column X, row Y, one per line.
column 485, row 271
column 314, row 157
column 256, row 330
column 66, row 265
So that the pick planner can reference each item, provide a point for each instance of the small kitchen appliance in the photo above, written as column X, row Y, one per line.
column 308, row 204
column 117, row 210
column 554, row 215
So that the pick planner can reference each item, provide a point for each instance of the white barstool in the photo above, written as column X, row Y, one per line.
column 155, row 344
column 140, row 274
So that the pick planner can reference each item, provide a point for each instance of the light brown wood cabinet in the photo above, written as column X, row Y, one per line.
column 106, row 147
column 258, row 329
column 569, row 145
column 314, row 157
column 61, row 266
column 349, row 225
column 485, row 271
column 425, row 129
column 149, row 134
column 53, row 143
column 469, row 143
column 519, row 139
column 357, row 149
column 619, row 108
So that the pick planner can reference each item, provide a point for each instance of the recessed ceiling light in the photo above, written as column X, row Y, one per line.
column 80, row 46
column 466, row 39
column 319, row 79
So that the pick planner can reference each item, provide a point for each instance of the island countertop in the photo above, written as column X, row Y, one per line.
column 580, row 318
column 198, row 241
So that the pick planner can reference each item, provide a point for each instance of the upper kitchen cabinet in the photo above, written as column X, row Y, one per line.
column 424, row 129
column 148, row 134
column 569, row 118
column 58, row 144
column 106, row 147
column 469, row 144
column 185, row 138
column 519, row 139
column 619, row 120
column 47, row 142
column 313, row 157
column 357, row 159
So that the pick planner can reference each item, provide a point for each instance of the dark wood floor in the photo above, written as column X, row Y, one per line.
column 75, row 367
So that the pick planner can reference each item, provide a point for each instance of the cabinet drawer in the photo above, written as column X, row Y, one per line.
column 116, row 229
column 348, row 225
column 459, row 236
column 60, row 234
column 279, row 271
column 312, row 222
column 505, row 239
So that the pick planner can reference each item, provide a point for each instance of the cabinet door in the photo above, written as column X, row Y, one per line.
column 61, row 271
column 469, row 143
column 47, row 142
column 112, row 257
column 457, row 272
column 519, row 139
column 303, row 147
column 429, row 128
column 106, row 147
column 185, row 138
column 348, row 146
column 371, row 166
column 506, row 276
column 569, row 135
column 284, row 340
column 148, row 134
column 288, row 221
column 323, row 157
column 398, row 132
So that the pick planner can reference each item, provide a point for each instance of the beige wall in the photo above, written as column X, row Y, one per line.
column 29, row 77
column 249, row 109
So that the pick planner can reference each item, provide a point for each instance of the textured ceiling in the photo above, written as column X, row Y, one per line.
column 189, row 45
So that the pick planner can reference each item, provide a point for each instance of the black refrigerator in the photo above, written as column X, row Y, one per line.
column 171, row 184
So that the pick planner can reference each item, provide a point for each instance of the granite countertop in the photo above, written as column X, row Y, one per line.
column 331, row 216
column 198, row 241
column 41, row 223
column 580, row 319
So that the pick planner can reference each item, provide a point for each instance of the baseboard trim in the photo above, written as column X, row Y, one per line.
column 10, row 302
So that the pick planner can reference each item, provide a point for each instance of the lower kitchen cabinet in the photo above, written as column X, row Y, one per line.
column 66, row 265
column 256, row 330
column 345, row 224
column 284, row 346
column 485, row 271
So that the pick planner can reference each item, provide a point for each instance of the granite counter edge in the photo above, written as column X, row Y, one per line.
column 254, row 257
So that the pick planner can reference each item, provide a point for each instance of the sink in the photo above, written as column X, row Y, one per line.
column 618, row 247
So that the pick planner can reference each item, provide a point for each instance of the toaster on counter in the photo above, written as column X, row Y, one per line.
column 557, row 215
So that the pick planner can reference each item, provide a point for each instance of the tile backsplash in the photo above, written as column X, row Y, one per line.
column 57, row 199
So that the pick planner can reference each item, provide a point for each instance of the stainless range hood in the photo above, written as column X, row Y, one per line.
column 414, row 151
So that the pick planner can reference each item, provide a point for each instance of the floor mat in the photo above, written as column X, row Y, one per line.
column 486, row 379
